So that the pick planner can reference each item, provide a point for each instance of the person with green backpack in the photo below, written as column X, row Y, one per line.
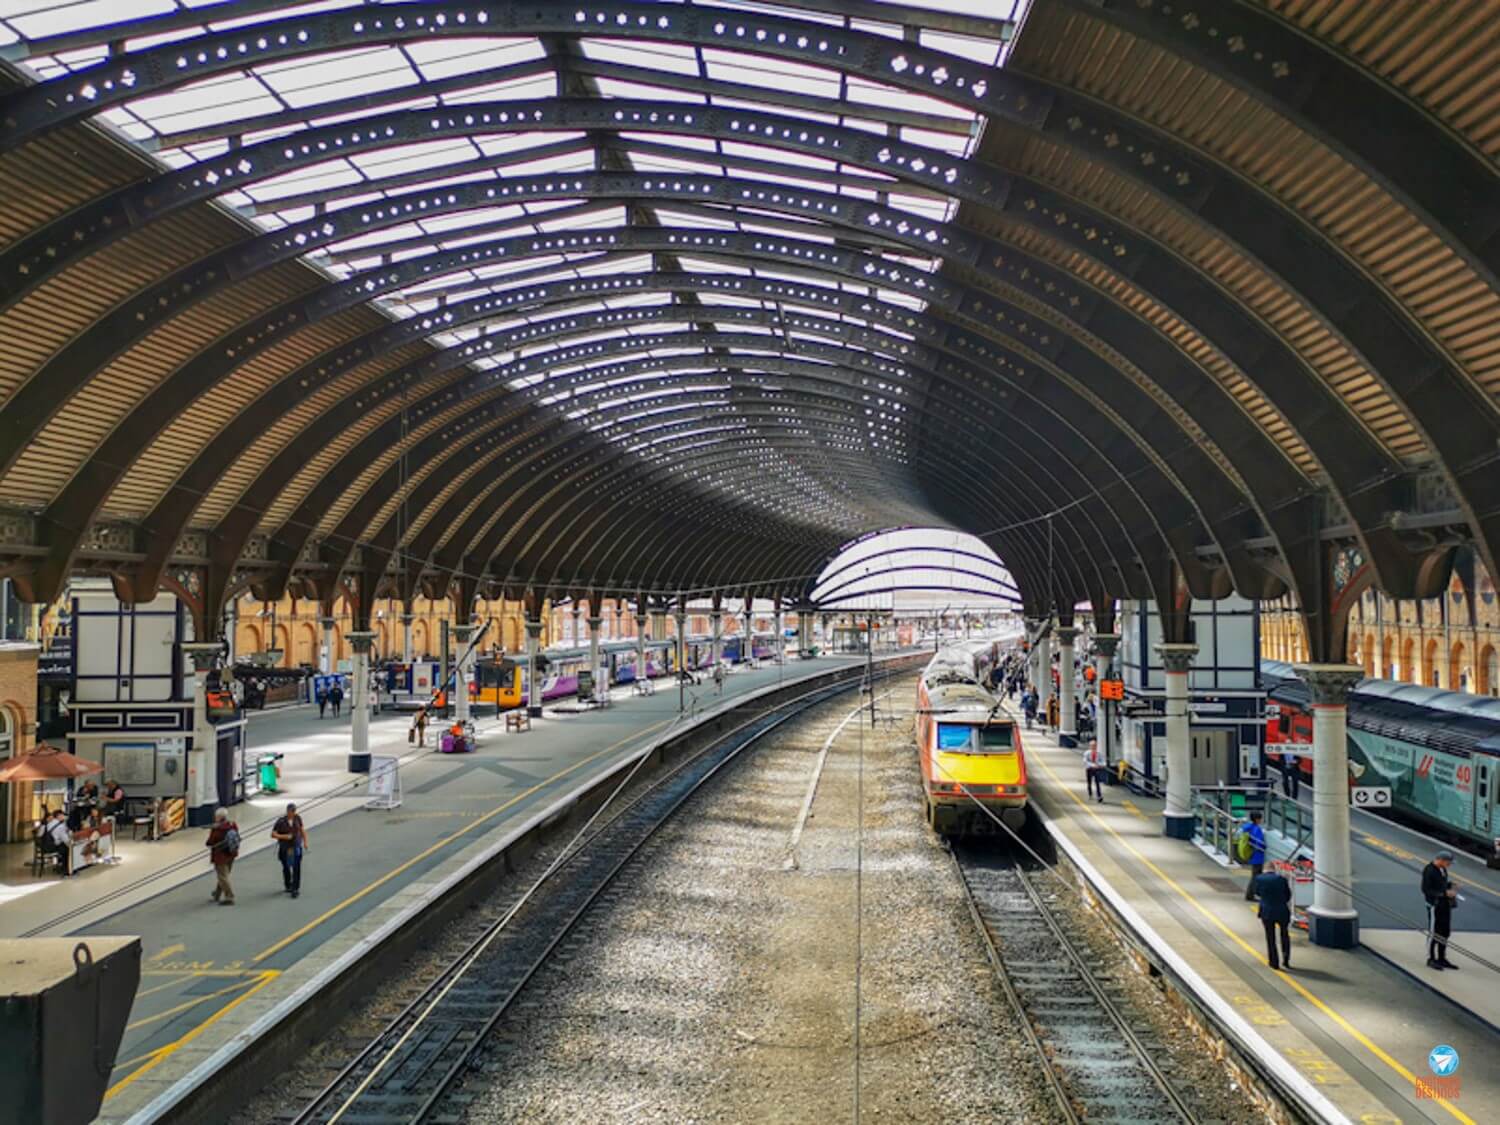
column 1250, row 847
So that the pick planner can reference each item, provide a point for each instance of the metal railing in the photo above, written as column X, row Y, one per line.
column 1221, row 811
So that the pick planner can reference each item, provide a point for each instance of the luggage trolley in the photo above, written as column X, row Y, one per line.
column 1299, row 873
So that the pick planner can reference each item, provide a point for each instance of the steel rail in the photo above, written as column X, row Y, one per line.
column 1069, row 1070
column 396, row 1052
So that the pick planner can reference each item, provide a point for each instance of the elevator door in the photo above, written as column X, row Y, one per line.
column 1210, row 760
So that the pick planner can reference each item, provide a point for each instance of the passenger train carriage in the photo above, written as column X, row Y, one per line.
column 973, row 765
column 1439, row 751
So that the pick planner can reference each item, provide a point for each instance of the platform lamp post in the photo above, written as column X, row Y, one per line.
column 716, row 628
column 747, row 641
column 779, row 620
column 533, row 689
column 362, row 641
column 1332, row 919
column 1067, row 719
column 202, row 759
column 1105, row 645
column 1177, row 661
column 406, row 620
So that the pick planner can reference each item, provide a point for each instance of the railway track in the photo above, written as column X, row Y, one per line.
column 408, row 1072
column 1101, row 1061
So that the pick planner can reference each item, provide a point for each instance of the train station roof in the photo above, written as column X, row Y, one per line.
column 638, row 296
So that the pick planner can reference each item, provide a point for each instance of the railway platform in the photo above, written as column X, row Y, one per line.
column 1359, row 1025
column 213, row 976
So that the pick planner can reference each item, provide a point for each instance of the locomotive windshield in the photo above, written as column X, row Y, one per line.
column 966, row 739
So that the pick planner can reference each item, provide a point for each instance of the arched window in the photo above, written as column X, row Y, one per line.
column 1490, row 662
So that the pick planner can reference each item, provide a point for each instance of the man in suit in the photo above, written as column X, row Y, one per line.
column 1275, row 895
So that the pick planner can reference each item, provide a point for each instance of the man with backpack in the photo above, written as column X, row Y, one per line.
column 223, row 845
column 1251, row 845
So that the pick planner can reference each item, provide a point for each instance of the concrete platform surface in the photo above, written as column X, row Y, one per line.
column 211, row 971
column 1357, row 1026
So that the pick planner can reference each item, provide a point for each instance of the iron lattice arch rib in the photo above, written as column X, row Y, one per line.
column 648, row 281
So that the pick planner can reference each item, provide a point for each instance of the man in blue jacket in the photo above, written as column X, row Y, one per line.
column 1257, row 837
column 1275, row 913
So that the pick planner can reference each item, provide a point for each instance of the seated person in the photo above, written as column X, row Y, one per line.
column 87, row 796
column 94, row 826
column 55, row 837
column 114, row 798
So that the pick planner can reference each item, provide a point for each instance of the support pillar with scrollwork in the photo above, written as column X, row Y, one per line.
column 1332, row 919
column 1177, row 662
column 1067, row 717
column 362, row 641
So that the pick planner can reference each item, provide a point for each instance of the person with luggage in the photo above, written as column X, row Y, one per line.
column 1275, row 895
column 223, row 845
column 291, row 842
column 1252, row 850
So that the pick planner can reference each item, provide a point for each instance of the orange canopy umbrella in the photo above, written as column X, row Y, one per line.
column 47, row 763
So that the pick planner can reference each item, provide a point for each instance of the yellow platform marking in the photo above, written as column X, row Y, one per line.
column 185, row 1005
column 1133, row 809
column 154, row 1059
column 272, row 950
column 1291, row 982
column 163, row 954
column 177, row 978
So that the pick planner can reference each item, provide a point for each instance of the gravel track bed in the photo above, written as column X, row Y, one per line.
column 717, row 983
column 1211, row 1089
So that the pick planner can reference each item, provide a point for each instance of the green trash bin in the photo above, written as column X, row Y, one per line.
column 270, row 775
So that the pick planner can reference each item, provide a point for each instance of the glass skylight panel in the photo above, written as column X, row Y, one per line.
column 622, row 88
column 444, row 58
column 511, row 89
column 674, row 58
column 320, row 78
column 38, row 19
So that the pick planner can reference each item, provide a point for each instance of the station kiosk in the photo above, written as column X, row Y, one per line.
column 132, row 706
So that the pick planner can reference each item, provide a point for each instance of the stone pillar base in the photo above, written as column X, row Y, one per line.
column 1336, row 931
column 1177, row 826
column 1067, row 739
column 358, row 763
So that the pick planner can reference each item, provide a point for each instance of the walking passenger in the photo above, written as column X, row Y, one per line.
column 1291, row 772
column 1028, row 707
column 1275, row 895
column 718, row 679
column 322, row 701
column 223, row 845
column 291, row 842
column 1253, row 849
column 1093, row 769
column 1441, row 896
column 336, row 697
column 419, row 726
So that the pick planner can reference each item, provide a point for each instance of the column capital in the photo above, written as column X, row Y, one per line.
column 1176, row 658
column 534, row 630
column 362, row 640
column 327, row 622
column 408, row 618
column 1106, row 644
column 1330, row 684
column 1067, row 634
column 464, row 632
column 204, row 654
column 596, row 622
